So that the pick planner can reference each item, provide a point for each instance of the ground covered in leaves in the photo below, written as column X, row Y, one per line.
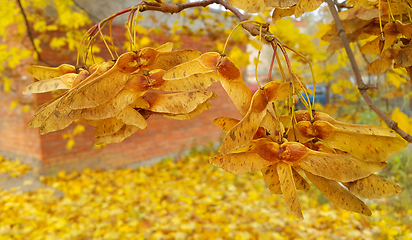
column 186, row 199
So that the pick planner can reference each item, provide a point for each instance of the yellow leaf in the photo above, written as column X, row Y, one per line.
column 26, row 109
column 6, row 84
column 78, row 129
column 396, row 79
column 238, row 56
column 403, row 121
column 13, row 104
column 27, row 182
column 70, row 144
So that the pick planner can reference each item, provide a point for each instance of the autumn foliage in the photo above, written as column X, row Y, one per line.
column 119, row 95
column 183, row 199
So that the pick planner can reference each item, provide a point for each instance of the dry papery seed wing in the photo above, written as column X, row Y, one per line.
column 191, row 83
column 44, row 73
column 338, row 195
column 243, row 132
column 300, row 182
column 108, row 109
column 234, row 85
column 228, row 74
column 227, row 123
column 276, row 91
column 271, row 177
column 125, row 132
column 47, row 85
column 106, row 86
column 166, row 47
column 131, row 94
column 373, row 187
column 202, row 107
column 150, row 58
column 50, row 118
column 105, row 97
column 258, row 154
column 43, row 111
column 287, row 184
column 131, row 116
column 378, row 143
column 177, row 103
column 338, row 167
column 108, row 126
column 303, row 115
column 204, row 64
column 374, row 147
column 54, row 115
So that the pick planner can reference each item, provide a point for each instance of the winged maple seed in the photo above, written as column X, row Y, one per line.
column 113, row 95
column 330, row 155
column 211, row 67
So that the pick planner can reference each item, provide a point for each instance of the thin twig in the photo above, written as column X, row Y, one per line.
column 361, row 85
column 29, row 33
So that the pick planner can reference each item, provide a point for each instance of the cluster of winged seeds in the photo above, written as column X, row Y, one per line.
column 117, row 97
column 328, row 152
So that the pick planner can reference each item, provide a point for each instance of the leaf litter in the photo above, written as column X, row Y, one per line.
column 184, row 199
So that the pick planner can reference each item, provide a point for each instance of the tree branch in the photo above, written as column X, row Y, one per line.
column 361, row 85
column 252, row 28
column 29, row 33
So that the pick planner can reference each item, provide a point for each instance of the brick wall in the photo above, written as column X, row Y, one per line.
column 162, row 137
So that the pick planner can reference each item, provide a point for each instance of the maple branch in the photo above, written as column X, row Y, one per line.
column 252, row 28
column 361, row 85
column 29, row 33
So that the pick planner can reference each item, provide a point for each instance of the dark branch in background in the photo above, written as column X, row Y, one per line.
column 29, row 33
column 361, row 85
